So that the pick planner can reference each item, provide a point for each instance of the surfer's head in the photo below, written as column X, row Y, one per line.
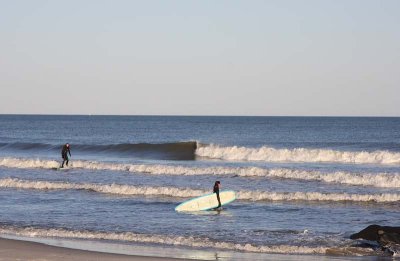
column 67, row 145
column 217, row 183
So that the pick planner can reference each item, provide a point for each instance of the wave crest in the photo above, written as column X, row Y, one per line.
column 174, row 192
column 384, row 180
column 296, row 155
column 197, row 242
column 102, row 188
column 169, row 151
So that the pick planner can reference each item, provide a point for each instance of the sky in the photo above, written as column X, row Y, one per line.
column 261, row 58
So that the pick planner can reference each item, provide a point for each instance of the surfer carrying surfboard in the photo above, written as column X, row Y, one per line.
column 64, row 154
column 217, row 186
column 208, row 202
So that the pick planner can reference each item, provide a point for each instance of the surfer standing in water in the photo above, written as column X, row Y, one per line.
column 217, row 186
column 64, row 154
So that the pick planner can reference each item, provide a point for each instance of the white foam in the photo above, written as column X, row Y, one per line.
column 316, row 196
column 28, row 163
column 102, row 188
column 188, row 192
column 384, row 180
column 296, row 155
column 197, row 242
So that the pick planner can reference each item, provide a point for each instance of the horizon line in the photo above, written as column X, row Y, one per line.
column 197, row 115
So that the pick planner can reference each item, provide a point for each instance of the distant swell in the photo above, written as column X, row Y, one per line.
column 27, row 146
column 296, row 155
column 167, row 151
column 384, row 180
column 174, row 192
column 196, row 242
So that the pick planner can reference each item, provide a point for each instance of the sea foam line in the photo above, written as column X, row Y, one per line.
column 174, row 192
column 117, row 189
column 196, row 242
column 296, row 155
column 384, row 180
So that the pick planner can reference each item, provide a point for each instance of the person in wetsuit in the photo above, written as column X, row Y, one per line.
column 64, row 154
column 216, row 188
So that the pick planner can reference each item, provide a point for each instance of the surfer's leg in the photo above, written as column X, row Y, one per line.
column 219, row 201
column 67, row 161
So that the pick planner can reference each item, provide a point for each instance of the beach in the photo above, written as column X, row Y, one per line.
column 23, row 250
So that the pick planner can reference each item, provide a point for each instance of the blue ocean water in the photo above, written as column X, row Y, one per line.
column 303, row 184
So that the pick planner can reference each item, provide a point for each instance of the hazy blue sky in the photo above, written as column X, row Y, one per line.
column 338, row 57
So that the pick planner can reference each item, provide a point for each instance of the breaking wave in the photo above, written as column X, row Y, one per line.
column 189, row 150
column 117, row 189
column 167, row 151
column 384, row 180
column 196, row 242
column 28, row 163
column 296, row 155
column 174, row 192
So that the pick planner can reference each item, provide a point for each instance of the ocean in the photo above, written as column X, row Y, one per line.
column 303, row 184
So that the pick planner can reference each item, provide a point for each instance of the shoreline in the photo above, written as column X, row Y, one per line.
column 47, row 249
column 13, row 249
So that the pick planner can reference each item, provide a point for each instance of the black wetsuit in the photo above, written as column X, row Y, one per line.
column 216, row 190
column 64, row 154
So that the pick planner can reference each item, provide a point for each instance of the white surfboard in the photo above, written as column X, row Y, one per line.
column 65, row 168
column 207, row 202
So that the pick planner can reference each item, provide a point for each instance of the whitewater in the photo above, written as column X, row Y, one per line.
column 196, row 242
column 302, row 184
column 384, row 180
column 188, row 192
column 297, row 155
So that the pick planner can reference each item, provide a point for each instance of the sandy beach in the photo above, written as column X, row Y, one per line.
column 23, row 250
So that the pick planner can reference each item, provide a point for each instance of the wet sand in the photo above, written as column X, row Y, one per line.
column 23, row 250
column 12, row 249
